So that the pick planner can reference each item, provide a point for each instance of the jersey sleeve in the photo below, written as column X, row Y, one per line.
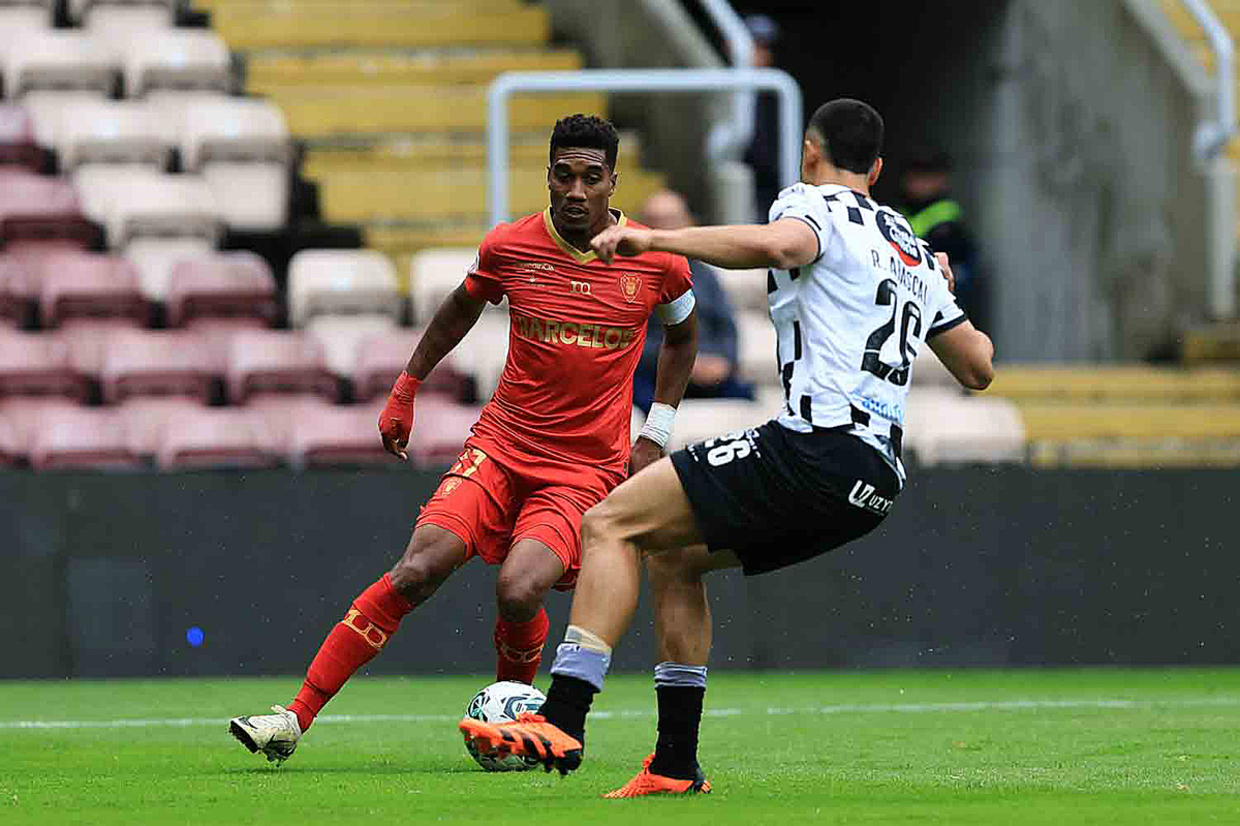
column 676, row 299
column 483, row 279
column 948, row 314
column 805, row 204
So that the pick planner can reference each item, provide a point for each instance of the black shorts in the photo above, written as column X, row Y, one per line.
column 775, row 497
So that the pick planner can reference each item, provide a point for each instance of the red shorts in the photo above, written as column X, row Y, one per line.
column 491, row 502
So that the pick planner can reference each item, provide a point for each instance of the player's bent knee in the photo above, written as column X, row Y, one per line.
column 518, row 598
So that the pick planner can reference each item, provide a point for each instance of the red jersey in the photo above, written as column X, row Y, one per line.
column 576, row 330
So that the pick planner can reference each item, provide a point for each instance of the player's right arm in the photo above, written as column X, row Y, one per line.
column 454, row 318
column 965, row 351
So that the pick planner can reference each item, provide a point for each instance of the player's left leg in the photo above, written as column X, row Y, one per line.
column 528, row 573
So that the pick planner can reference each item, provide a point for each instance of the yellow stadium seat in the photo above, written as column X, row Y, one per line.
column 270, row 73
column 1114, row 383
column 1071, row 421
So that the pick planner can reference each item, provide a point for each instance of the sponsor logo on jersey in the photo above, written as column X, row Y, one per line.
column 900, row 237
column 891, row 412
column 581, row 334
column 630, row 284
column 582, row 287
column 864, row 496
column 535, row 265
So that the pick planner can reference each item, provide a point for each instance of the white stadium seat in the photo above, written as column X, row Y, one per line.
column 60, row 59
column 123, row 15
column 156, row 258
column 942, row 426
column 112, row 131
column 223, row 128
column 341, row 335
column 433, row 275
column 755, row 348
column 23, row 16
column 746, row 289
column 249, row 196
column 46, row 107
column 484, row 350
column 699, row 419
column 333, row 281
column 175, row 59
column 131, row 201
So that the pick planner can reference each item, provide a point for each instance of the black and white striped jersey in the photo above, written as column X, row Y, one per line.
column 851, row 322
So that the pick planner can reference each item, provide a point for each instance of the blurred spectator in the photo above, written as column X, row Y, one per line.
column 763, row 152
column 714, row 372
column 925, row 192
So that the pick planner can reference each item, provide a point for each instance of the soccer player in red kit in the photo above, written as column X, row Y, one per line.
column 551, row 443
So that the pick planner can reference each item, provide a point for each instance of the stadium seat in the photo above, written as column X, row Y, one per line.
column 215, row 437
column 39, row 364
column 340, row 335
column 82, row 437
column 327, row 434
column 484, row 351
column 158, row 363
column 228, row 285
column 37, row 211
column 328, row 281
column 26, row 414
column 147, row 418
column 221, row 128
column 111, row 16
column 441, row 430
column 699, row 419
column 21, row 16
column 381, row 357
column 17, row 144
column 58, row 59
column 746, row 289
column 112, row 131
column 46, row 106
column 80, row 285
column 175, row 59
column 11, row 449
column 155, row 257
column 18, row 290
column 755, row 348
column 944, row 427
column 252, row 197
column 928, row 371
column 267, row 362
column 433, row 275
column 134, row 201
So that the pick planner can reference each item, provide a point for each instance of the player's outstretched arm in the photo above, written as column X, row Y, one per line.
column 968, row 353
column 454, row 318
column 784, row 244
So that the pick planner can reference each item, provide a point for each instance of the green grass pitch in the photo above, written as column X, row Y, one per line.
column 961, row 747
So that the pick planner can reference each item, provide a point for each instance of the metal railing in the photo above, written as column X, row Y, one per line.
column 730, row 139
column 1212, row 136
column 791, row 114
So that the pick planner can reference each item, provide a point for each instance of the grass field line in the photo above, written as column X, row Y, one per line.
column 847, row 708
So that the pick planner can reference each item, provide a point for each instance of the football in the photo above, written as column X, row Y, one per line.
column 501, row 703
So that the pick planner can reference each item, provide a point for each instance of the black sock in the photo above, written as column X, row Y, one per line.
column 680, row 717
column 568, row 702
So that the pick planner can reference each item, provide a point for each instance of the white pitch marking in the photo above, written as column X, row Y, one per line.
column 858, row 708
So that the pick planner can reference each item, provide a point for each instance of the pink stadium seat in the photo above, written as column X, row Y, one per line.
column 158, row 363
column 442, row 427
column 17, row 146
column 382, row 356
column 227, row 285
column 11, row 450
column 148, row 418
column 81, row 437
column 215, row 437
column 76, row 285
column 265, row 362
column 42, row 209
column 39, row 364
column 312, row 432
column 17, row 290
column 26, row 414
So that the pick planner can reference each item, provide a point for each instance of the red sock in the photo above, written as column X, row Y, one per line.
column 519, row 646
column 353, row 642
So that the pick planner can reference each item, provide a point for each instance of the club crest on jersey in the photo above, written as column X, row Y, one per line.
column 449, row 485
column 630, row 284
column 900, row 237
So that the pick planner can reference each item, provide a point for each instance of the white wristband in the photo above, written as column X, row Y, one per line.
column 658, row 426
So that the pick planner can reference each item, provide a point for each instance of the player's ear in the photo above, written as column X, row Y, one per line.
column 875, row 171
column 615, row 179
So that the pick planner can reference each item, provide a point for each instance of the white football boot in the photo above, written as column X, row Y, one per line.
column 275, row 735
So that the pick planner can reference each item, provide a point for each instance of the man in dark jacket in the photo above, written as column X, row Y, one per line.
column 714, row 372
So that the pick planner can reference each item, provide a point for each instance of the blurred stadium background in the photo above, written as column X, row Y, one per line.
column 223, row 223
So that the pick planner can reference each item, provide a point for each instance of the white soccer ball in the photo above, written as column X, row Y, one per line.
column 501, row 703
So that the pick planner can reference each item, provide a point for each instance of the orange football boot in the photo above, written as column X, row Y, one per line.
column 530, row 736
column 647, row 782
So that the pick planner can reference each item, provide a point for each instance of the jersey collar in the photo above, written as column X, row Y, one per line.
column 567, row 248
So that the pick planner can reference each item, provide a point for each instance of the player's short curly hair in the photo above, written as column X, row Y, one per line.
column 851, row 132
column 586, row 131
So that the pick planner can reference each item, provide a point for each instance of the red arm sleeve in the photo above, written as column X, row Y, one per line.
column 483, row 279
column 677, row 280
